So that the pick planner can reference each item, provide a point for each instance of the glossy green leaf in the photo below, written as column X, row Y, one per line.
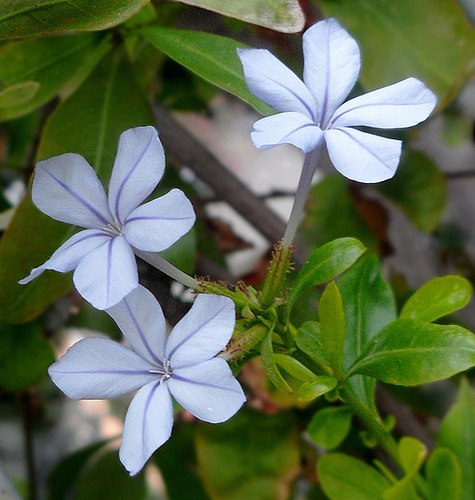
column 253, row 456
column 88, row 123
column 35, row 70
column 294, row 367
column 369, row 305
column 107, row 478
column 24, row 355
column 326, row 263
column 330, row 426
column 437, row 298
column 419, row 189
column 279, row 15
column 210, row 56
column 270, row 366
column 344, row 478
column 19, row 18
column 397, row 40
column 457, row 433
column 333, row 326
column 444, row 476
column 410, row 352
column 316, row 388
column 412, row 454
column 309, row 341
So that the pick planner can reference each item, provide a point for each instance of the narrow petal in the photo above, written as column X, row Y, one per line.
column 107, row 274
column 332, row 65
column 203, row 332
column 67, row 256
column 363, row 157
column 100, row 369
column 140, row 318
column 403, row 104
column 286, row 128
column 67, row 189
column 138, row 167
column 148, row 424
column 209, row 390
column 158, row 224
column 274, row 83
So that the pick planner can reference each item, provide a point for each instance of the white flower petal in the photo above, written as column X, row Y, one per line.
column 67, row 189
column 138, row 167
column 98, row 369
column 158, row 224
column 363, row 157
column 202, row 332
column 209, row 390
column 286, row 128
column 140, row 318
column 274, row 83
column 332, row 65
column 403, row 104
column 68, row 255
column 107, row 274
column 148, row 424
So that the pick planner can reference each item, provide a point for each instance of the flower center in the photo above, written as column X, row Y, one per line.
column 165, row 372
column 113, row 229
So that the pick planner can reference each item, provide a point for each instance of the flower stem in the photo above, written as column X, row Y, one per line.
column 156, row 260
column 305, row 183
column 27, row 414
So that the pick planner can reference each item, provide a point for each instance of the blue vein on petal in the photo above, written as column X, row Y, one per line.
column 108, row 270
column 143, row 217
column 204, row 384
column 106, row 372
column 142, row 334
column 170, row 354
column 144, row 418
column 79, row 198
column 127, row 177
column 327, row 84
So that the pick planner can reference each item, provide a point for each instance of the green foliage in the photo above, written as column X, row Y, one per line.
column 243, row 459
column 444, row 476
column 309, row 340
column 20, row 18
column 270, row 366
column 330, row 426
column 316, row 388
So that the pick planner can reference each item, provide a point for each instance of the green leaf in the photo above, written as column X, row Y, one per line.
column 344, row 478
column 437, row 298
column 20, row 18
column 253, row 456
column 294, row 367
column 268, row 360
column 88, row 123
column 457, row 433
column 369, row 305
column 316, row 388
column 107, row 478
column 444, row 476
column 35, row 70
column 280, row 15
column 309, row 340
column 419, row 190
column 332, row 324
column 210, row 56
column 412, row 454
column 396, row 40
column 410, row 352
column 326, row 263
column 24, row 355
column 330, row 426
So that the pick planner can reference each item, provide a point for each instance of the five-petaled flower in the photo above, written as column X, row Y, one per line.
column 182, row 365
column 312, row 111
column 67, row 189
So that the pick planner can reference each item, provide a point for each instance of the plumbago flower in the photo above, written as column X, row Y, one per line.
column 311, row 111
column 182, row 365
column 67, row 189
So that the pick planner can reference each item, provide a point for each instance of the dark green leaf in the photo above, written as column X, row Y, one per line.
column 24, row 355
column 344, row 478
column 396, row 40
column 268, row 360
column 437, row 298
column 326, row 263
column 409, row 352
column 309, row 340
column 457, row 433
column 20, row 18
column 329, row 426
column 316, row 388
column 294, row 367
column 210, row 56
column 419, row 189
column 88, row 123
column 444, row 476
column 279, row 15
column 252, row 457
column 18, row 94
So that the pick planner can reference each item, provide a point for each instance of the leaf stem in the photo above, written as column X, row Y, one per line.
column 27, row 417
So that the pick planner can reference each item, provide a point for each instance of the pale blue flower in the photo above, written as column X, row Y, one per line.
column 67, row 189
column 182, row 365
column 311, row 111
